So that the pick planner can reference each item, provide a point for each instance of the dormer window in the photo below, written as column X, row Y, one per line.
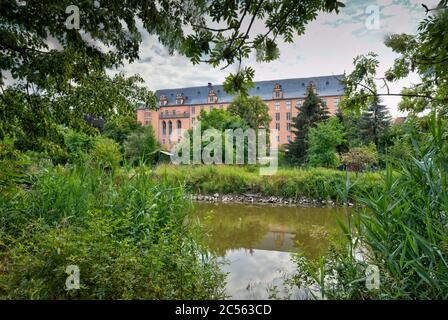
column 163, row 100
column 180, row 98
column 212, row 97
column 311, row 87
column 278, row 92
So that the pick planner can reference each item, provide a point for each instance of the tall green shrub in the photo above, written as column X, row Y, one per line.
column 78, row 145
column 322, row 142
column 106, row 153
column 142, row 146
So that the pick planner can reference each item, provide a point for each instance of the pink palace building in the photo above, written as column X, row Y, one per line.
column 180, row 108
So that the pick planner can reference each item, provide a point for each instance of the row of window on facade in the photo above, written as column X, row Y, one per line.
column 288, row 126
column 173, row 112
column 299, row 104
column 277, row 107
column 170, row 126
column 193, row 108
column 193, row 111
column 288, row 138
column 169, row 140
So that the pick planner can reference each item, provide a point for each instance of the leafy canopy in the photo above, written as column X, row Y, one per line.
column 425, row 53
column 323, row 140
column 57, row 74
column 252, row 110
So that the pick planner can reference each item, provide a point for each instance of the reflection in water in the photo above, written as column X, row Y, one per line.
column 257, row 241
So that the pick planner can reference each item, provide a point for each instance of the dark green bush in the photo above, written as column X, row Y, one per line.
column 78, row 145
column 141, row 146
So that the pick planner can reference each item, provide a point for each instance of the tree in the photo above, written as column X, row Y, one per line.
column 412, row 194
column 34, row 118
column 324, row 112
column 58, row 66
column 425, row 53
column 141, row 145
column 221, row 120
column 373, row 123
column 121, row 127
column 308, row 116
column 323, row 140
column 349, row 120
column 252, row 110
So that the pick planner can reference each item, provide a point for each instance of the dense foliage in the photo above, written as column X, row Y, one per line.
column 401, row 230
column 253, row 110
column 322, row 142
column 142, row 147
column 55, row 56
column 69, row 194
column 373, row 125
column 360, row 158
column 217, row 128
column 309, row 114
column 127, row 233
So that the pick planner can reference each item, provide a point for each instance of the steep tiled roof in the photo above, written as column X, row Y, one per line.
column 292, row 88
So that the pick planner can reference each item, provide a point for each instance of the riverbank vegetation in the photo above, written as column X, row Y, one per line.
column 311, row 183
column 401, row 231
column 126, row 232
column 396, row 245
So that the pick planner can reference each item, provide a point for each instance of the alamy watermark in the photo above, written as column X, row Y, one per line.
column 373, row 17
column 73, row 20
column 73, row 281
column 372, row 277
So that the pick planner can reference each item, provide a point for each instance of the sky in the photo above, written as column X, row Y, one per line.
column 328, row 47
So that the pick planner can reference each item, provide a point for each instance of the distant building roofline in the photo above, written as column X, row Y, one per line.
column 329, row 85
column 255, row 82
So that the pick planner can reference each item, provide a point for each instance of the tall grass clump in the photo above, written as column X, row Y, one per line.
column 403, row 230
column 129, row 235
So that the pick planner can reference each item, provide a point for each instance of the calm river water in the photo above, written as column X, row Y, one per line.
column 257, row 242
